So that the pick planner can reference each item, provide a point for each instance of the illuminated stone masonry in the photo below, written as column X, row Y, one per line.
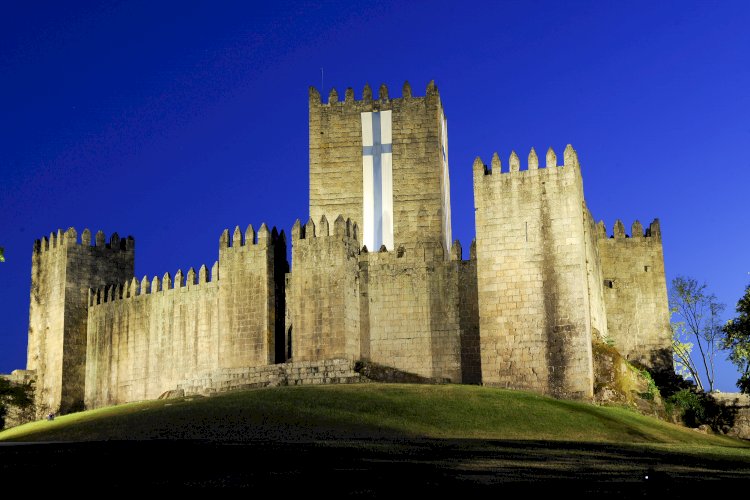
column 375, row 276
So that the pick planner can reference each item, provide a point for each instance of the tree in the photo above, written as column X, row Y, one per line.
column 2, row 254
column 698, row 324
column 683, row 361
column 737, row 341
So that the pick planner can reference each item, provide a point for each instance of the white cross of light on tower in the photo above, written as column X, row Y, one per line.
column 446, row 187
column 377, row 175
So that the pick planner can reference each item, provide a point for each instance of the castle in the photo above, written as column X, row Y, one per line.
column 375, row 275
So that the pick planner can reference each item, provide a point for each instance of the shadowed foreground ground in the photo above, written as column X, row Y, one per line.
column 372, row 440
column 372, row 468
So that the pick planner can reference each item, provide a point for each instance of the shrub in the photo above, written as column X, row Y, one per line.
column 652, row 390
column 691, row 404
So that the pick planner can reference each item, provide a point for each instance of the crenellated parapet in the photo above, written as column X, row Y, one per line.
column 240, row 241
column 69, row 238
column 637, row 231
column 136, row 289
column 344, row 231
column 570, row 161
column 368, row 101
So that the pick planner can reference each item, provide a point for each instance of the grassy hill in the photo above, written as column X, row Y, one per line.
column 365, row 411
column 515, row 435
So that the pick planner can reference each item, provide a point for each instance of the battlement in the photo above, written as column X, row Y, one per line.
column 134, row 288
column 636, row 231
column 367, row 98
column 250, row 238
column 345, row 229
column 70, row 238
column 570, row 159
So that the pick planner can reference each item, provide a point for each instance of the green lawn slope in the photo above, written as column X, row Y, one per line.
column 337, row 412
column 375, row 440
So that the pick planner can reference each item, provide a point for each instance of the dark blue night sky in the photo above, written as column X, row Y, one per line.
column 171, row 121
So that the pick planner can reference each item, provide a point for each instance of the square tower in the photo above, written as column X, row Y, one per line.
column 383, row 163
column 63, row 270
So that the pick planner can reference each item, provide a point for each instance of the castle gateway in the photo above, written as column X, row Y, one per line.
column 374, row 276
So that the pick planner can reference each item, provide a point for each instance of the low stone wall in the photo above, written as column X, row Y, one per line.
column 330, row 371
column 740, row 403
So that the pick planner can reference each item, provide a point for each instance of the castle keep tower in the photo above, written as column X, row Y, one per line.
column 381, row 162
column 63, row 270
column 384, row 285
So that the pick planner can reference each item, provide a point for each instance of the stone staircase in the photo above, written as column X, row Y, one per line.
column 329, row 371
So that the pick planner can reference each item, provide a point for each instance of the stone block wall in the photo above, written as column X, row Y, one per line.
column 328, row 371
column 398, row 308
column 412, row 310
column 594, row 277
column 635, row 293
column 323, row 291
column 63, row 270
column 249, row 297
column 534, row 308
column 737, row 404
column 146, row 336
column 468, row 313
column 419, row 182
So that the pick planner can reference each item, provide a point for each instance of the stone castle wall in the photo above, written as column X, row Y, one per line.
column 635, row 292
column 63, row 269
column 534, row 308
column 145, row 337
column 541, row 281
column 468, row 312
column 336, row 171
column 323, row 291
column 398, row 308
column 249, row 300
column 594, row 277
column 413, row 310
